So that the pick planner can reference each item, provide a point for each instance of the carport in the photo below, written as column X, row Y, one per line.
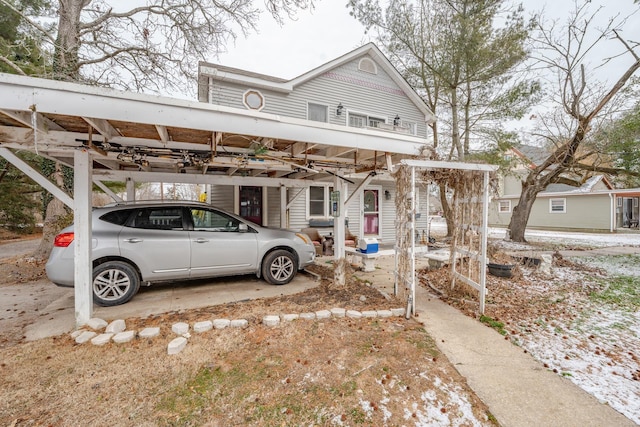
column 109, row 135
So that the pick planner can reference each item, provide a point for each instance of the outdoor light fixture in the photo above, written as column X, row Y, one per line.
column 387, row 195
column 396, row 120
column 339, row 109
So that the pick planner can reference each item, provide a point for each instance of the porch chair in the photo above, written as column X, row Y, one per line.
column 317, row 239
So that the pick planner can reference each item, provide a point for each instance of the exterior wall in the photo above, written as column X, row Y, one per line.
column 222, row 196
column 357, row 91
column 512, row 184
column 583, row 212
column 273, row 207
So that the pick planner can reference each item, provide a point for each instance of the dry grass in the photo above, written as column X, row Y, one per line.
column 331, row 372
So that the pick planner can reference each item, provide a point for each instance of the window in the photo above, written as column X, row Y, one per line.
column 368, row 66
column 504, row 206
column 158, row 219
column 357, row 121
column 362, row 120
column 319, row 201
column 209, row 220
column 253, row 100
column 411, row 127
column 558, row 205
column 318, row 113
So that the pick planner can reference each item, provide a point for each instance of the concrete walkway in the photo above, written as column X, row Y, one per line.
column 518, row 390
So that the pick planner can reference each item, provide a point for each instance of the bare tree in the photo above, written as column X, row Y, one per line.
column 582, row 104
column 145, row 46
column 148, row 46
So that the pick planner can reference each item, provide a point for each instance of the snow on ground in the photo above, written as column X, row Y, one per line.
column 596, row 344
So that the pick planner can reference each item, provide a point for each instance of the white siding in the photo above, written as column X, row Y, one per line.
column 375, row 94
column 222, row 197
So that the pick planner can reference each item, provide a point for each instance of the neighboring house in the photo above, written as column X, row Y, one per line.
column 594, row 206
column 360, row 89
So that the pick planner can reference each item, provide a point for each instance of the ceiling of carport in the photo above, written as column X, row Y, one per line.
column 144, row 133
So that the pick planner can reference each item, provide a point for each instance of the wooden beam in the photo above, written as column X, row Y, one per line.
column 43, row 124
column 103, row 127
column 163, row 133
column 338, row 151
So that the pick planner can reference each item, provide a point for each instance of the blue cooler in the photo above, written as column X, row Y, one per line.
column 368, row 245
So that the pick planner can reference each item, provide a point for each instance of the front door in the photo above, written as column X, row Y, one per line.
column 251, row 204
column 371, row 212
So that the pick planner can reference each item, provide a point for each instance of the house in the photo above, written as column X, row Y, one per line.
column 594, row 206
column 359, row 90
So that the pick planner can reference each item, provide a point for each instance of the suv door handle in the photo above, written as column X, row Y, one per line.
column 201, row 240
column 133, row 240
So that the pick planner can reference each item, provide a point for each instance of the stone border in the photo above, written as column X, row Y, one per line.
column 116, row 330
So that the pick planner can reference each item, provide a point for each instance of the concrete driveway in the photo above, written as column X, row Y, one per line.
column 45, row 309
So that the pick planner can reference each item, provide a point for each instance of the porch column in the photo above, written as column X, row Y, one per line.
column 283, row 206
column 82, row 239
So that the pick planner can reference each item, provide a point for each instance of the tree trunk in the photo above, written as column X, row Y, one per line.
column 65, row 59
column 446, row 210
column 520, row 215
column 55, row 220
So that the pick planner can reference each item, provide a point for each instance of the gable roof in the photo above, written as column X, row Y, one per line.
column 263, row 81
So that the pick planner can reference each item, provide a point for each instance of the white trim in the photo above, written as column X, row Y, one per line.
column 369, row 60
column 247, row 92
column 564, row 205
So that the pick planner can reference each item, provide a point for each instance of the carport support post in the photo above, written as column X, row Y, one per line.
column 339, row 233
column 131, row 190
column 82, row 239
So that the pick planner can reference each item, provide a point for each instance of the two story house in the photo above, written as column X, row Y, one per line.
column 360, row 89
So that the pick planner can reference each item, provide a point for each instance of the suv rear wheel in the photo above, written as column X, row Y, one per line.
column 279, row 267
column 114, row 283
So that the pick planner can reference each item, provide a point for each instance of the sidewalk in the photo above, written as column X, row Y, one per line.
column 518, row 390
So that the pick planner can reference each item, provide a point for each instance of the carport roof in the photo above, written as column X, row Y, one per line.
column 130, row 133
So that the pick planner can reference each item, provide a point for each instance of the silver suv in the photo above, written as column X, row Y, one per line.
column 151, row 242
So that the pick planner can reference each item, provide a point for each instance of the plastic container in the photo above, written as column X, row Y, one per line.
column 368, row 245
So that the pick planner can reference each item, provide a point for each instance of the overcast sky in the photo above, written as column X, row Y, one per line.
column 328, row 32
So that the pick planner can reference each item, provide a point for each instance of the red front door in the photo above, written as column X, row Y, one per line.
column 251, row 204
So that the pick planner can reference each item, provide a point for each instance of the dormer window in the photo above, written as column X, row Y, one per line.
column 368, row 66
column 253, row 100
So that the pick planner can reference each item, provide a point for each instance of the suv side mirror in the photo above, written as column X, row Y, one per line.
column 243, row 228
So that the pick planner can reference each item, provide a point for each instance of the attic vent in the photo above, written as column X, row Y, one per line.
column 368, row 66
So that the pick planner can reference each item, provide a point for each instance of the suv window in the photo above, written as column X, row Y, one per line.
column 118, row 217
column 157, row 218
column 210, row 220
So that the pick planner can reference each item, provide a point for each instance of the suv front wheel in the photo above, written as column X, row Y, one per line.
column 114, row 283
column 279, row 267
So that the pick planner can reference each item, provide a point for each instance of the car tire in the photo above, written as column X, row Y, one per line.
column 279, row 267
column 114, row 283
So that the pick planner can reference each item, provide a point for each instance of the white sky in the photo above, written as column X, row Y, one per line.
column 328, row 32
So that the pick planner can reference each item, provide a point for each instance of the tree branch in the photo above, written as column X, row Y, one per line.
column 603, row 169
column 31, row 22
column 12, row 65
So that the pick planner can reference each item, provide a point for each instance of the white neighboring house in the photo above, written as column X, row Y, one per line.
column 594, row 206
column 360, row 89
